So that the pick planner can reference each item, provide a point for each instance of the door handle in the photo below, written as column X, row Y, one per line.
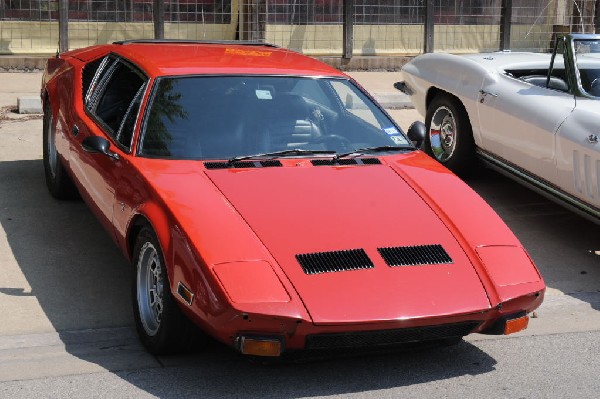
column 484, row 94
column 592, row 139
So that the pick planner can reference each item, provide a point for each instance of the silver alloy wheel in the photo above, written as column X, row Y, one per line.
column 442, row 134
column 150, row 288
column 51, row 147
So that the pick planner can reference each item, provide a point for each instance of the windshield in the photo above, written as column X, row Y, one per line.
column 587, row 61
column 223, row 117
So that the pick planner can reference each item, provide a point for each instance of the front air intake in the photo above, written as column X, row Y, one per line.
column 380, row 338
column 334, row 261
column 415, row 255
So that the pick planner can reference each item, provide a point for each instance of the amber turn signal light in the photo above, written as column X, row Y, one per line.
column 516, row 325
column 260, row 346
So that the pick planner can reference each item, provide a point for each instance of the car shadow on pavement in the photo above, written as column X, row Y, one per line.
column 221, row 373
column 81, row 286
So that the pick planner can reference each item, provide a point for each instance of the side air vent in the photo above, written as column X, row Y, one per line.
column 415, row 255
column 335, row 261
column 346, row 161
column 242, row 164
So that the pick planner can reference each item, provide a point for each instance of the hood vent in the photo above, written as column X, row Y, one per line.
column 415, row 255
column 346, row 161
column 370, row 161
column 335, row 261
column 243, row 164
column 270, row 163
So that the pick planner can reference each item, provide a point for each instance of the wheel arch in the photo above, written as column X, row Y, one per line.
column 462, row 156
column 151, row 216
column 137, row 223
column 433, row 92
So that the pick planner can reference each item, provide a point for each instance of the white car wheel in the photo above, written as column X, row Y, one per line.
column 449, row 136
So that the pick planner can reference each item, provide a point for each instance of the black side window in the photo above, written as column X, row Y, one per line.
column 115, row 99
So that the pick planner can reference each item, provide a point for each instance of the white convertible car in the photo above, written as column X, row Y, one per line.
column 534, row 116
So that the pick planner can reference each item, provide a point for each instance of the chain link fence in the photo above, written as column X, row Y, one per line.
column 314, row 27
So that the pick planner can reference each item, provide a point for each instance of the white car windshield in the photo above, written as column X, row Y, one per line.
column 587, row 61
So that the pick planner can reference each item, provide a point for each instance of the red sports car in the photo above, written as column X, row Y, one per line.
column 265, row 198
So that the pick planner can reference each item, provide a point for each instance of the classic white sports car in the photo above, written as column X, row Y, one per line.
column 532, row 116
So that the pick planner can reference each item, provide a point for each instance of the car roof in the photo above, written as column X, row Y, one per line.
column 166, row 58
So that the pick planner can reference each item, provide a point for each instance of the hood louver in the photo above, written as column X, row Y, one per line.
column 335, row 261
column 415, row 255
column 355, row 259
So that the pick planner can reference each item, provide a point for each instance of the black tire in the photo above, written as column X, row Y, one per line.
column 449, row 129
column 58, row 181
column 161, row 326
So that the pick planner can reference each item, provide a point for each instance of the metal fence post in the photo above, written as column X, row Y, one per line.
column 597, row 17
column 63, row 25
column 505, row 24
column 428, row 31
column 158, row 14
column 348, row 9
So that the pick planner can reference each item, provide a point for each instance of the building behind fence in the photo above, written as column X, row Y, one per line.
column 314, row 27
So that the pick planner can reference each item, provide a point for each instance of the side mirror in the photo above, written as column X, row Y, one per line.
column 97, row 144
column 416, row 133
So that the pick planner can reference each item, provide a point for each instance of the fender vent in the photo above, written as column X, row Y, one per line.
column 415, row 255
column 389, row 337
column 335, row 261
column 346, row 161
column 243, row 164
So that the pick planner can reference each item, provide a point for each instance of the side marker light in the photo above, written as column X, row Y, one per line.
column 260, row 346
column 516, row 325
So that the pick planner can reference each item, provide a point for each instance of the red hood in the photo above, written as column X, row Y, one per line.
column 308, row 209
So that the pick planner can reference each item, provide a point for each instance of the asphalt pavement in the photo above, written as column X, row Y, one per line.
column 66, row 328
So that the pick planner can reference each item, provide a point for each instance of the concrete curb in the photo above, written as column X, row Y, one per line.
column 29, row 105
column 393, row 100
column 24, row 63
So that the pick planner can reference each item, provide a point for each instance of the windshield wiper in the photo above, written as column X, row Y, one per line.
column 277, row 154
column 361, row 151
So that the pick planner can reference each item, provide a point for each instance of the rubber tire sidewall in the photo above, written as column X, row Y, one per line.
column 174, row 332
column 463, row 158
column 60, row 185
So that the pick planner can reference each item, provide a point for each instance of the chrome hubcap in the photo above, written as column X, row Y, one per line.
column 442, row 134
column 51, row 147
column 150, row 288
